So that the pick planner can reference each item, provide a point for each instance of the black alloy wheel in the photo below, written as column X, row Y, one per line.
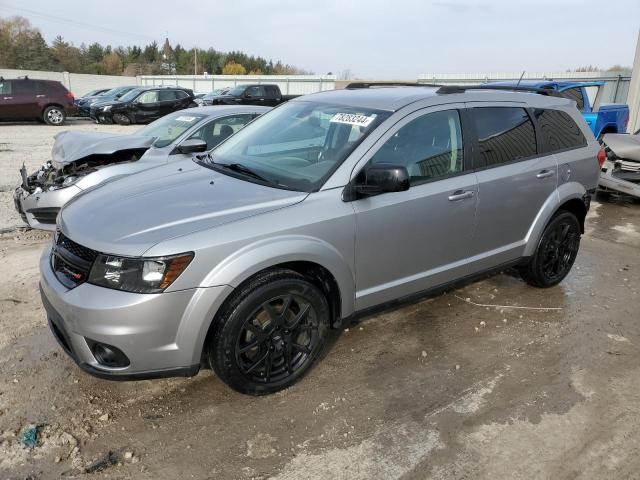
column 270, row 332
column 556, row 251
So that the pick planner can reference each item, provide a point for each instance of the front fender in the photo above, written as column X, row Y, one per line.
column 270, row 252
column 565, row 192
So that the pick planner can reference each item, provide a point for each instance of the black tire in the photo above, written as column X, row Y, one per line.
column 54, row 115
column 269, row 333
column 122, row 119
column 556, row 251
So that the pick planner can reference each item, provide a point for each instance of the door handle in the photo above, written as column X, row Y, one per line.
column 544, row 174
column 461, row 195
column 40, row 96
column 8, row 98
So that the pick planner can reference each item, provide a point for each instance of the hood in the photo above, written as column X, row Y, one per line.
column 70, row 146
column 132, row 214
column 625, row 146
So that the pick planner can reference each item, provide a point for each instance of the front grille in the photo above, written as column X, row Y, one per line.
column 70, row 261
column 75, row 248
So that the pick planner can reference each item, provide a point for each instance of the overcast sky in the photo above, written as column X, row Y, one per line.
column 372, row 38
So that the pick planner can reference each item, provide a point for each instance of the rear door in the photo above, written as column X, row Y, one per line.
column 25, row 95
column 420, row 238
column 514, row 181
column 168, row 101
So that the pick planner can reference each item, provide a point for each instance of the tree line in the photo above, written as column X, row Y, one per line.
column 23, row 47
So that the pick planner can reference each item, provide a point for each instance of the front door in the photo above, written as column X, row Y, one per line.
column 415, row 240
column 147, row 106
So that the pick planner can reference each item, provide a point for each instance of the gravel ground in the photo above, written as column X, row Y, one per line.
column 453, row 387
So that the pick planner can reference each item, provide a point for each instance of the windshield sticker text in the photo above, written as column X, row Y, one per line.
column 353, row 119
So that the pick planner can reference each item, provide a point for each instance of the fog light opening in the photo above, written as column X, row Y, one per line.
column 108, row 355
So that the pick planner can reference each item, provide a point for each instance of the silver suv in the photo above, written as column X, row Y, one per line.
column 243, row 258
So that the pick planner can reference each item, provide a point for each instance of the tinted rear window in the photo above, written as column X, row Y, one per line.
column 25, row 86
column 505, row 134
column 574, row 94
column 559, row 130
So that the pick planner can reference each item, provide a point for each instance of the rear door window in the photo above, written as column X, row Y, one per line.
column 166, row 95
column 559, row 130
column 505, row 134
column 25, row 87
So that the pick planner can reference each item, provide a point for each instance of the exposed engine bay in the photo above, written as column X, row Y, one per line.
column 53, row 176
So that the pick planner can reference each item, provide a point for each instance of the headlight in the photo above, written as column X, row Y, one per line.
column 70, row 180
column 138, row 275
column 107, row 108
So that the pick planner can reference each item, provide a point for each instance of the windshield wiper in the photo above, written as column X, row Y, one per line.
column 239, row 168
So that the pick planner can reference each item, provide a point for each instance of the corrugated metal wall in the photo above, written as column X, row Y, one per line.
column 289, row 84
column 615, row 90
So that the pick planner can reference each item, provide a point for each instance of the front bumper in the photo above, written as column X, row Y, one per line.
column 610, row 179
column 39, row 210
column 161, row 334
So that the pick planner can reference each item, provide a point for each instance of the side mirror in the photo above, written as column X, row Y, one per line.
column 193, row 145
column 377, row 179
column 247, row 95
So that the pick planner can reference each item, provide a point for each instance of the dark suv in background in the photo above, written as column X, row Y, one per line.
column 143, row 105
column 27, row 99
column 85, row 103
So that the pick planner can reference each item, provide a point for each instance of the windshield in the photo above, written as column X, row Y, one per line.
column 168, row 128
column 298, row 145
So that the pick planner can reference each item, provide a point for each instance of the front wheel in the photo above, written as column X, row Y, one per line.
column 556, row 252
column 270, row 333
column 122, row 119
column 54, row 115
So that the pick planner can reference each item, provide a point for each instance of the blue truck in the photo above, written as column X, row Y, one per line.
column 601, row 118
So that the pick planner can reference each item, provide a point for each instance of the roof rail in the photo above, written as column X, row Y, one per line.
column 463, row 88
column 359, row 85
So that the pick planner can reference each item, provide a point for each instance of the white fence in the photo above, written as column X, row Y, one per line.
column 616, row 85
column 289, row 84
column 77, row 83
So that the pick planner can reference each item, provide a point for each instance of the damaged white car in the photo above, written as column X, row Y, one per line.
column 621, row 169
column 81, row 160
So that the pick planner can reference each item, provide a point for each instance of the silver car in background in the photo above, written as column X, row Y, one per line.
column 82, row 160
column 326, row 207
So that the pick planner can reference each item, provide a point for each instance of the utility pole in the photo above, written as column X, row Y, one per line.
column 195, row 61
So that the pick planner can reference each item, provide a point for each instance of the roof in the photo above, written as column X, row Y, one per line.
column 393, row 98
column 383, row 98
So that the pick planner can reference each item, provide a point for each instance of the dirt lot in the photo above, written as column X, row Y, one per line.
column 446, row 388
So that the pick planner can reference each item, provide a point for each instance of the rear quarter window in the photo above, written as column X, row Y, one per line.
column 559, row 130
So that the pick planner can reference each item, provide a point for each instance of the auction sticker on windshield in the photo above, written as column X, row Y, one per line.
column 186, row 119
column 353, row 119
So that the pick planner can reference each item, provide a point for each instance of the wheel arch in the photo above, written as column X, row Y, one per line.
column 569, row 196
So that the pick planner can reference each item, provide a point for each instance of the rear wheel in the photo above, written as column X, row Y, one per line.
column 270, row 333
column 556, row 251
column 54, row 115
